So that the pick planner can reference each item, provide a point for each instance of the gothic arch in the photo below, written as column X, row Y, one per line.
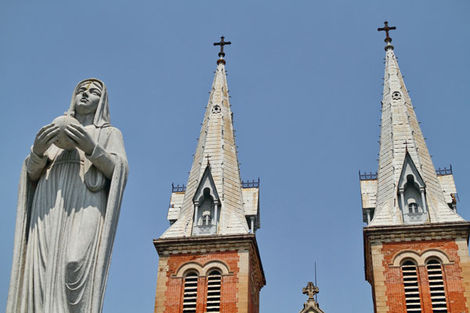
column 207, row 205
column 412, row 193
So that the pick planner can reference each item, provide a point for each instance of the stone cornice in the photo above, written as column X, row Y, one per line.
column 403, row 233
column 209, row 244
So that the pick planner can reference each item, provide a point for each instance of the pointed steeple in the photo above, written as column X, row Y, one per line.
column 404, row 159
column 213, row 200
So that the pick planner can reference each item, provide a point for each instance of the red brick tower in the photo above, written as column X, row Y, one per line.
column 208, row 257
column 415, row 244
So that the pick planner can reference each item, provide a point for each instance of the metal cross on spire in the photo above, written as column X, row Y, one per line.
column 311, row 290
column 222, row 43
column 208, row 159
column 386, row 29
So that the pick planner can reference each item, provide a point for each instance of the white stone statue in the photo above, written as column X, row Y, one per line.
column 68, row 207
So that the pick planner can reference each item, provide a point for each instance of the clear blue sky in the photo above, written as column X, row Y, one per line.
column 305, row 79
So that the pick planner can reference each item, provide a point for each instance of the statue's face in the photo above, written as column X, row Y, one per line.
column 87, row 97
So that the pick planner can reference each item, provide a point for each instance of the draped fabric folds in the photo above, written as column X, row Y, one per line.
column 66, row 223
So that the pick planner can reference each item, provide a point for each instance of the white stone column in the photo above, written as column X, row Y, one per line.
column 402, row 200
column 196, row 207
column 216, row 212
column 423, row 199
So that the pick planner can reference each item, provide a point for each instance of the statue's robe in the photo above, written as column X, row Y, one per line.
column 66, row 223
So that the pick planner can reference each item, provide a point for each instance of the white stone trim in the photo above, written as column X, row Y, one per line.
column 434, row 253
column 188, row 267
column 202, row 270
column 420, row 259
column 221, row 266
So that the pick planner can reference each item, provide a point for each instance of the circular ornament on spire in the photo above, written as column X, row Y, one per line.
column 396, row 95
column 216, row 109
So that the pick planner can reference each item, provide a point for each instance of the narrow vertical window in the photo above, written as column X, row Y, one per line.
column 436, row 286
column 214, row 281
column 410, row 282
column 190, row 293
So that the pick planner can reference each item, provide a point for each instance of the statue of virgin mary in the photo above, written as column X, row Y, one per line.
column 68, row 208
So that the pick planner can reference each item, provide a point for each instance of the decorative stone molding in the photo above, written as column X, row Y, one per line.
column 420, row 259
column 221, row 266
column 430, row 231
column 187, row 267
column 202, row 270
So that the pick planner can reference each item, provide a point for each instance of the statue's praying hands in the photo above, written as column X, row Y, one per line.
column 45, row 138
column 80, row 137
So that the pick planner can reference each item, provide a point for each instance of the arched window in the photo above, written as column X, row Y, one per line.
column 410, row 283
column 206, row 209
column 214, row 282
column 412, row 196
column 190, row 292
column 413, row 207
column 436, row 286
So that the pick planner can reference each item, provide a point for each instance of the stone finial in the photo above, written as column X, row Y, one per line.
column 311, row 306
column 311, row 290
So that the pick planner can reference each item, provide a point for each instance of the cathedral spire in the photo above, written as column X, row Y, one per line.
column 213, row 201
column 415, row 241
column 408, row 189
column 208, row 258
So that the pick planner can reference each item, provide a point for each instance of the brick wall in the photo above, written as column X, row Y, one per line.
column 452, row 274
column 169, row 299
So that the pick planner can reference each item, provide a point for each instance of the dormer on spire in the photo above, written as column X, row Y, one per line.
column 412, row 193
column 206, row 202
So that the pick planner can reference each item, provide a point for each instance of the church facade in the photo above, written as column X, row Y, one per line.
column 415, row 243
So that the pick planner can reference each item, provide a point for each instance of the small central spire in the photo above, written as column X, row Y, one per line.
column 388, row 39
column 222, row 43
